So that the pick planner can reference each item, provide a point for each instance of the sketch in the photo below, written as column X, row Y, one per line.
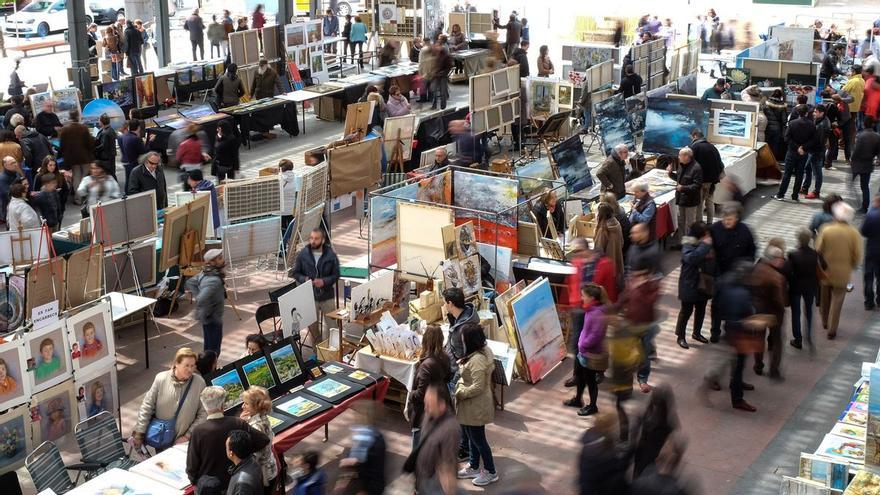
column 669, row 123
column 383, row 224
column 53, row 413
column 538, row 328
column 490, row 194
column 729, row 123
column 614, row 127
column 571, row 162
column 297, row 308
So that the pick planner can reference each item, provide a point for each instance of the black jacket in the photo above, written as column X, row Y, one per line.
column 134, row 40
column 866, row 149
column 823, row 130
column 801, row 269
column 776, row 115
column 7, row 178
column 207, row 455
column 829, row 66
column 871, row 232
column 800, row 132
column 16, row 109
column 430, row 371
column 707, row 155
column 558, row 216
column 246, row 478
column 695, row 259
column 49, row 205
column 523, row 60
column 326, row 268
column 105, row 145
column 46, row 124
column 690, row 177
column 226, row 153
column 142, row 180
column 643, row 257
column 630, row 85
column 34, row 148
column 603, row 470
column 732, row 245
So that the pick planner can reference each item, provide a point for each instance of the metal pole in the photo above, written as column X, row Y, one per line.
column 285, row 12
column 163, row 32
column 79, row 49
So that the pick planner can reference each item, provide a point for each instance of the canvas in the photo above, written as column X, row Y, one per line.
column 66, row 100
column 48, row 358
column 294, row 35
column 538, row 329
column 535, row 176
column 662, row 91
column 739, row 78
column 15, row 438
column 354, row 166
column 120, row 92
column 600, row 76
column 436, row 188
column 193, row 215
column 14, row 388
column 145, row 89
column 119, row 273
column 491, row 194
column 614, row 127
column 584, row 57
column 419, row 240
column 90, row 334
column 733, row 124
column 500, row 260
column 480, row 91
column 687, row 85
column 502, row 302
column 53, row 413
column 297, row 308
column 96, row 392
column 399, row 129
column 383, row 224
column 128, row 219
column 636, row 111
column 371, row 295
column 669, row 123
column 769, row 82
column 571, row 163
column 542, row 97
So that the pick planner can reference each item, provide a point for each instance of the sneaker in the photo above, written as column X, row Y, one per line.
column 777, row 197
column 588, row 411
column 468, row 473
column 813, row 195
column 485, row 478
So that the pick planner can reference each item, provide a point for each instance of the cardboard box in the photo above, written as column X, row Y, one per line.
column 582, row 226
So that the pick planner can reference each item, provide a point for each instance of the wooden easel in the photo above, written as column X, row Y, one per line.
column 396, row 163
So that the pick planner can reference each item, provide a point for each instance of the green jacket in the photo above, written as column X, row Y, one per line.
column 473, row 392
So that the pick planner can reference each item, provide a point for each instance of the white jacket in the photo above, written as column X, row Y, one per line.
column 20, row 215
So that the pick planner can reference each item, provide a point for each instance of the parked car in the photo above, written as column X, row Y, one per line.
column 41, row 18
column 106, row 11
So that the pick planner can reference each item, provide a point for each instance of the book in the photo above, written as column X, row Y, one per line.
column 829, row 472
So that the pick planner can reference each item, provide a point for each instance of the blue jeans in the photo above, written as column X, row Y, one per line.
column 814, row 168
column 865, row 185
column 872, row 277
column 808, row 296
column 648, row 348
column 794, row 165
column 478, row 447
column 213, row 336
column 137, row 64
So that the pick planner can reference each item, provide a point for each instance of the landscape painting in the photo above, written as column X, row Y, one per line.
column 231, row 384
column 286, row 364
column 669, row 123
column 571, row 163
column 535, row 176
column 257, row 372
column 584, row 57
column 542, row 94
column 614, row 127
column 537, row 324
column 729, row 123
column 383, row 224
column 490, row 194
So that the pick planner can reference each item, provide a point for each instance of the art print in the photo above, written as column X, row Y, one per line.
column 614, row 127
column 842, row 448
column 15, row 438
column 566, row 96
column 669, row 123
column 122, row 91
column 52, row 413
column 38, row 100
column 14, row 388
column 294, row 35
column 96, row 393
column 91, row 338
column 48, row 357
column 329, row 388
column 257, row 373
column 849, row 431
column 121, row 482
column 231, row 384
column 542, row 94
column 314, row 32
column 145, row 89
column 297, row 308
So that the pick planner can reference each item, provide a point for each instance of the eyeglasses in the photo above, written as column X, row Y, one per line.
column 153, row 163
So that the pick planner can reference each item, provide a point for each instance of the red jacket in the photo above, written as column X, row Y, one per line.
column 872, row 97
column 603, row 275
column 189, row 152
column 639, row 301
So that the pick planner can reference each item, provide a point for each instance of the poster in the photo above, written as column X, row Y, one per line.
column 538, row 329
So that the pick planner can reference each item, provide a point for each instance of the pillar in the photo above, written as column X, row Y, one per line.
column 163, row 33
column 79, row 47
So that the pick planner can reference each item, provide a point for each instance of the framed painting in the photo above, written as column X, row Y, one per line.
column 90, row 333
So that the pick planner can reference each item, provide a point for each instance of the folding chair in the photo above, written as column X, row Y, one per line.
column 269, row 311
column 101, row 443
column 48, row 471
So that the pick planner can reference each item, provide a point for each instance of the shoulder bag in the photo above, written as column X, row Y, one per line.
column 161, row 433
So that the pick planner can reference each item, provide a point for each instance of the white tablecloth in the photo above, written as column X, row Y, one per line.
column 743, row 170
column 399, row 369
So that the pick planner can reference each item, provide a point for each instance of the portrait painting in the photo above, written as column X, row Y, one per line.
column 48, row 348
column 54, row 417
column 14, row 388
column 92, row 330
column 96, row 393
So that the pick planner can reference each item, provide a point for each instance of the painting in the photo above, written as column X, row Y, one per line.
column 614, row 127
column 419, row 239
column 301, row 407
column 371, row 295
column 383, row 224
column 825, row 471
column 730, row 123
column 399, row 130
column 12, row 313
column 90, row 333
column 168, row 467
column 121, row 482
column 491, row 194
column 38, row 100
column 316, row 62
column 542, row 97
column 294, row 35
column 500, row 260
column 66, row 100
column 739, row 78
column 669, row 123
column 571, row 163
column 14, row 389
column 121, row 92
column 662, row 91
column 463, row 274
column 535, row 176
column 584, row 57
column 872, row 438
column 769, row 82
column 687, row 85
column 566, row 96
column 636, row 110
column 436, row 188
column 96, row 392
column 786, row 50
column 313, row 32
column 798, row 486
column 48, row 359
column 15, row 439
column 257, row 373
column 145, row 89
column 841, row 448
column 52, row 413
column 538, row 329
column 297, row 308
column 329, row 388
column 230, row 381
column 100, row 106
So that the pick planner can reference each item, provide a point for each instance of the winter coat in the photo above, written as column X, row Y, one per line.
column 131, row 147
column 707, row 155
column 690, row 177
column 105, row 145
column 77, row 145
column 865, row 151
column 396, row 107
column 522, row 59
column 800, row 132
column 612, row 174
column 134, row 40
column 161, row 401
column 229, row 90
column 20, row 215
column 7, row 178
column 644, row 210
column 540, row 212
column 474, row 405
column 431, row 371
column 109, row 189
column 601, row 272
column 264, row 457
column 454, row 346
column 592, row 337
column 841, row 246
column 696, row 257
column 358, row 32
column 802, row 264
column 49, row 206
column 732, row 245
column 775, row 110
column 871, row 231
column 326, row 268
column 141, row 180
column 226, row 153
column 823, row 132
column 47, row 123
column 609, row 240
column 768, row 290
column 209, row 290
column 602, row 468
column 630, row 84
column 246, row 478
column 267, row 84
column 196, row 28
column 643, row 257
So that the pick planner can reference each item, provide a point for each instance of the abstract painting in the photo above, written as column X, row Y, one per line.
column 383, row 224
column 571, row 163
column 584, row 57
column 436, row 188
column 636, row 110
column 662, row 91
column 535, row 176
column 614, row 127
column 538, row 329
column 491, row 194
column 669, row 123
column 463, row 274
column 730, row 123
column 145, row 88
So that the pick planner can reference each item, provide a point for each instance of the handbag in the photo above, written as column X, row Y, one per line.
column 161, row 433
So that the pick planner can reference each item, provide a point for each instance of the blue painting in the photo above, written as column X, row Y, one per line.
column 95, row 108
column 732, row 124
column 614, row 126
column 669, row 123
column 121, row 92
column 636, row 108
column 538, row 329
column 535, row 176
column 571, row 163
column 231, row 384
column 383, row 224
column 687, row 85
column 872, row 439
column 662, row 91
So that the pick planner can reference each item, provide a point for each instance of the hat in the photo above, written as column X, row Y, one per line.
column 211, row 254
column 754, row 91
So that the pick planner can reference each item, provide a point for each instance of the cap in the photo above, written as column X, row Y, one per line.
column 211, row 254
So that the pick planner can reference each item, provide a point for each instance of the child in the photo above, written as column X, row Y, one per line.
column 97, row 399
column 592, row 359
column 91, row 345
column 48, row 201
column 49, row 363
column 58, row 425
column 309, row 479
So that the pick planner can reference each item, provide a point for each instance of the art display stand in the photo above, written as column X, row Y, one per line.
column 396, row 162
column 101, row 226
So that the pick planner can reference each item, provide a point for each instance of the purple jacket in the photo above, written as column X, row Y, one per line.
column 593, row 333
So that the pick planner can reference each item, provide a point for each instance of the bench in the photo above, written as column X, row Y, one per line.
column 39, row 46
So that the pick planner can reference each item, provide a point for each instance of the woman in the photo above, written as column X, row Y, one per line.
column 372, row 94
column 7, row 383
column 545, row 209
column 804, row 264
column 545, row 65
column 357, row 36
column 820, row 218
column 112, row 44
column 242, row 24
column 695, row 282
column 346, row 34
column 258, row 19
column 10, row 147
column 189, row 154
column 776, row 112
column 610, row 199
column 256, row 405
column 255, row 343
column 658, row 423
column 457, row 41
column 592, row 359
column 20, row 215
column 229, row 88
column 162, row 400
column 440, row 79
column 96, row 187
column 433, row 368
column 609, row 237
column 397, row 104
column 226, row 161
column 475, row 407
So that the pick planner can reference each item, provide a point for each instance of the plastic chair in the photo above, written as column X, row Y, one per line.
column 266, row 312
column 100, row 442
column 48, row 471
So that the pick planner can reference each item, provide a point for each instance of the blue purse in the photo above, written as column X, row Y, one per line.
column 161, row 433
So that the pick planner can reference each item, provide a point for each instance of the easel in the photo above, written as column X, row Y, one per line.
column 101, row 223
column 396, row 162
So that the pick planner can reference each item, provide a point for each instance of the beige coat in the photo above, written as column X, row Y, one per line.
column 609, row 239
column 473, row 392
column 161, row 401
column 841, row 246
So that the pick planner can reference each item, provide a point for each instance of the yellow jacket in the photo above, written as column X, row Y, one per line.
column 855, row 87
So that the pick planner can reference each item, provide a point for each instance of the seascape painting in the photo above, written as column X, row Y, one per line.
column 687, row 85
column 530, row 173
column 669, row 123
column 614, row 127
column 540, row 333
column 383, row 224
column 734, row 124
column 636, row 108
column 662, row 91
column 584, row 57
column 571, row 162
column 490, row 194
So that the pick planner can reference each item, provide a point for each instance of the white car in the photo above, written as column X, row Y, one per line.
column 41, row 18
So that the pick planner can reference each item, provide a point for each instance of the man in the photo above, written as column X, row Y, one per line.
column 732, row 241
column 689, row 177
column 266, row 82
column 9, row 177
column 77, row 148
column 148, row 177
column 17, row 108
column 196, row 29
column 458, row 313
column 817, row 152
column 707, row 155
column 119, row 34
column 612, row 172
column 134, row 43
column 643, row 253
column 871, row 232
column 206, row 453
column 829, row 67
column 433, row 460
column 197, row 183
column 840, row 119
column 631, row 83
column 870, row 61
column 34, row 146
column 209, row 290
column 228, row 27
column 514, row 34
column 719, row 91
column 521, row 57
column 855, row 87
column 441, row 159
column 638, row 303
column 16, row 85
column 47, row 122
column 317, row 262
column 865, row 151
column 246, row 476
column 800, row 136
column 132, row 146
column 330, row 25
column 105, row 146
column 768, row 295
column 841, row 246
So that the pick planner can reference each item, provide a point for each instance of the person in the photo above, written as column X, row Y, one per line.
column 718, row 91
column 245, row 476
column 612, row 172
column 131, row 147
column 695, row 282
column 707, row 155
column 47, row 122
column 242, row 25
column 803, row 265
column 800, row 136
column 19, row 214
column 255, row 407
column 775, row 111
column 841, row 246
column 18, row 107
column 50, row 167
column 197, row 183
column 216, row 34
column 226, row 157
column 204, row 457
column 8, row 384
column 688, row 191
column 657, row 426
column 258, row 19
column 840, row 120
column 871, row 100
column 229, row 88
column 545, row 65
column 209, row 290
column 547, row 209
column 11, row 175
column 457, row 39
column 255, row 343
column 397, row 104
column 47, row 202
column 514, row 35
column 134, row 42
column 76, row 147
column 521, row 57
column 9, row 146
column 433, row 368
column 388, row 54
column 441, row 159
column 602, row 468
column 357, row 36
column 308, row 478
column 266, row 82
column 817, row 151
column 34, row 146
column 433, row 460
column 732, row 241
column 643, row 252
column 364, row 466
column 16, row 85
column 113, row 40
column 166, row 393
column 196, row 28
column 105, row 146
column 318, row 262
column 855, row 87
column 865, row 151
column 870, row 230
column 663, row 476
column 609, row 237
column 591, row 358
column 644, row 208
column 206, row 362
column 458, row 314
column 427, row 63
column 768, row 287
column 228, row 27
column 189, row 153
column 149, row 177
column 829, row 67
column 346, row 41
column 631, row 83
column 637, row 304
column 440, row 77
column 97, row 187
column 474, row 404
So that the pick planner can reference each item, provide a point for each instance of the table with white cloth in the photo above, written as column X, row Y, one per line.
column 400, row 369
column 742, row 169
